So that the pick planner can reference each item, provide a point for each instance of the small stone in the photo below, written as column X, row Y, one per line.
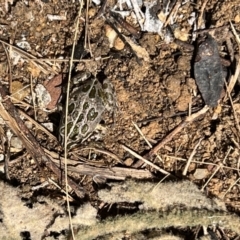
column 16, row 143
column 200, row 173
column 128, row 162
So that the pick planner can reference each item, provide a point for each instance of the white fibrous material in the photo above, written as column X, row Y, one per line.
column 152, row 23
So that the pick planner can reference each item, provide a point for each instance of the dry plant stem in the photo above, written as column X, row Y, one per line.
column 112, row 155
column 16, row 160
column 235, row 183
column 234, row 77
column 87, row 32
column 45, row 68
column 145, row 139
column 140, row 132
column 116, row 173
column 169, row 137
column 173, row 11
column 7, row 158
column 102, row 9
column 40, row 127
column 66, row 118
column 113, row 173
column 145, row 160
column 74, row 60
column 5, row 148
column 12, row 118
column 234, row 112
column 235, row 34
column 57, row 186
column 200, row 18
column 233, row 80
column 86, row 26
column 191, row 157
column 200, row 162
column 139, row 14
column 219, row 166
column 238, row 166
column 9, row 68
column 33, row 97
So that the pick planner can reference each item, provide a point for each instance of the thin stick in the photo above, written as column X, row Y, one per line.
column 173, row 11
column 205, row 163
column 145, row 139
column 74, row 60
column 7, row 149
column 145, row 160
column 191, row 157
column 231, row 186
column 66, row 121
column 234, row 77
column 234, row 112
column 31, row 58
column 159, row 182
column 219, row 166
column 200, row 18
column 57, row 186
column 139, row 14
column 38, row 126
column 112, row 155
column 33, row 98
column 9, row 67
column 169, row 137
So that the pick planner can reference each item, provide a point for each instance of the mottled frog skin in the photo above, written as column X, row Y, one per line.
column 88, row 99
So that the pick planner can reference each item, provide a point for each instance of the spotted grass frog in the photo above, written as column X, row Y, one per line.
column 88, row 99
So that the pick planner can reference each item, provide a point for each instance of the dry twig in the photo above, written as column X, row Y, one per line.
column 172, row 13
column 200, row 18
column 145, row 160
column 169, row 137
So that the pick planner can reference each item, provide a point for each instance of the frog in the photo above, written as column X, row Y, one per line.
column 88, row 100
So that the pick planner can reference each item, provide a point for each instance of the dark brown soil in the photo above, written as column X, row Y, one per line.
column 153, row 93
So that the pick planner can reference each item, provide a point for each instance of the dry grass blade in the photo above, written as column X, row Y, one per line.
column 191, row 157
column 112, row 155
column 148, row 143
column 232, row 105
column 235, row 183
column 200, row 18
column 234, row 77
column 44, row 67
column 173, row 12
column 38, row 125
column 233, row 80
column 145, row 160
column 66, row 118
